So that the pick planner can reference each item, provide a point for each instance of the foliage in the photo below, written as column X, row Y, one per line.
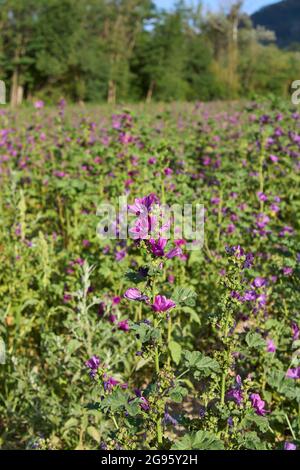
column 144, row 343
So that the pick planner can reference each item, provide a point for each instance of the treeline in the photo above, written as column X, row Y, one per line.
column 127, row 50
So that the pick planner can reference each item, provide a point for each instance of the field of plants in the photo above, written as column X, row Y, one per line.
column 141, row 342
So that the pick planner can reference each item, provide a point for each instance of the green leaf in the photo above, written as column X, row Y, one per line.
column 202, row 440
column 94, row 433
column 178, row 393
column 71, row 423
column 202, row 365
column 254, row 340
column 133, row 407
column 175, row 350
column 260, row 421
column 146, row 332
column 72, row 346
column 116, row 400
column 184, row 296
column 252, row 441
column 193, row 314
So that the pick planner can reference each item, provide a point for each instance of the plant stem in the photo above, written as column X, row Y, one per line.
column 183, row 373
column 224, row 374
column 290, row 426
column 261, row 179
column 156, row 360
column 169, row 338
column 159, row 431
column 219, row 218
column 115, row 421
column 223, row 383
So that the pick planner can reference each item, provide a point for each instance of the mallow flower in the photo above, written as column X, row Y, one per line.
column 293, row 373
column 93, row 364
column 162, row 304
column 271, row 347
column 295, row 331
column 258, row 404
column 134, row 294
column 289, row 446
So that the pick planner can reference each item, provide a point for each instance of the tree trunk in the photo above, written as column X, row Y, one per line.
column 111, row 97
column 2, row 92
column 14, row 88
column 20, row 94
column 150, row 92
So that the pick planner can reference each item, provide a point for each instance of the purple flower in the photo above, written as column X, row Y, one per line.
column 274, row 158
column 144, row 404
column 238, row 251
column 236, row 394
column 286, row 230
column 93, row 364
column 143, row 205
column 110, row 383
column 271, row 347
column 262, row 300
column 142, row 227
column 261, row 196
column 249, row 260
column 123, row 325
column 295, row 331
column 138, row 208
column 258, row 404
column 39, row 104
column 289, row 446
column 262, row 220
column 293, row 373
column 162, row 304
column 120, row 254
column 168, row 419
column 157, row 246
column 134, row 294
column 174, row 252
column 112, row 318
column 249, row 296
column 259, row 282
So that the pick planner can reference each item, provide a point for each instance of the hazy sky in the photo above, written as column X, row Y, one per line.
column 249, row 5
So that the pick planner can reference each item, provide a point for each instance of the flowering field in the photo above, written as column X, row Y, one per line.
column 142, row 342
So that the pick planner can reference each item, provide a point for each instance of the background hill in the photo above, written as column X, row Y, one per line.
column 283, row 18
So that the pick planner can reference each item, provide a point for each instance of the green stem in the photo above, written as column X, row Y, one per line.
column 159, row 431
column 115, row 422
column 224, row 374
column 183, row 373
column 169, row 338
column 290, row 426
column 219, row 219
column 261, row 179
column 156, row 360
column 223, row 384
column 163, row 199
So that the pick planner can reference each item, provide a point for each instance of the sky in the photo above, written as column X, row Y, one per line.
column 250, row 6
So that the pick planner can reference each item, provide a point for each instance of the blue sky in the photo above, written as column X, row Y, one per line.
column 249, row 5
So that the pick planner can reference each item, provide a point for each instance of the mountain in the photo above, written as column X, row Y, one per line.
column 283, row 18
